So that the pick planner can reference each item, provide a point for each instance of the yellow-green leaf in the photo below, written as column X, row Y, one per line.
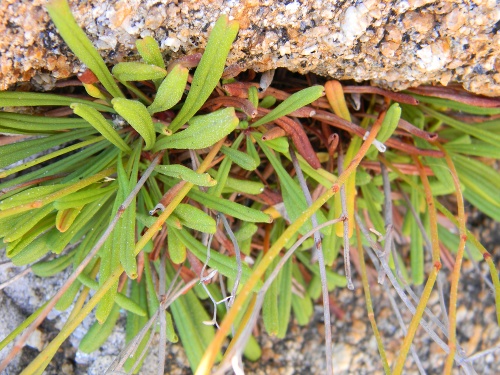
column 203, row 131
column 136, row 71
column 136, row 114
column 209, row 69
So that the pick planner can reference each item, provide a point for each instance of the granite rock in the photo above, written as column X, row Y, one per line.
column 395, row 45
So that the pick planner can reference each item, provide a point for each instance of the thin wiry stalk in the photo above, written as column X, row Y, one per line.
column 428, row 246
column 321, row 261
column 132, row 345
column 369, row 305
column 478, row 270
column 210, row 275
column 210, row 354
column 395, row 283
column 452, row 342
column 163, row 319
column 21, row 341
column 415, row 322
column 238, row 258
column 145, row 351
column 412, row 329
column 113, row 278
column 347, row 260
column 403, row 328
column 387, row 218
column 13, row 279
column 444, row 312
column 485, row 253
column 238, row 344
column 483, row 353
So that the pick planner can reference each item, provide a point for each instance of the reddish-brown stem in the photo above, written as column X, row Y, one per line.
column 338, row 122
column 298, row 136
column 456, row 95
column 230, row 101
column 396, row 96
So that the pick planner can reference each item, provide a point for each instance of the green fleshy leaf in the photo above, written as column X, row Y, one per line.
column 209, row 69
column 292, row 103
column 184, row 173
column 136, row 71
column 203, row 131
column 136, row 114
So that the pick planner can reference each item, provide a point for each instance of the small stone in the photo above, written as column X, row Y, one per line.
column 342, row 356
column 36, row 340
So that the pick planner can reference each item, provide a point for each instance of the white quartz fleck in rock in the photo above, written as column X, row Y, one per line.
column 355, row 22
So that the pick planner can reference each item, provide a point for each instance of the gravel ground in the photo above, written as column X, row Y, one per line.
column 302, row 351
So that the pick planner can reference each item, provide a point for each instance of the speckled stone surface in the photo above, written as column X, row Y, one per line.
column 392, row 44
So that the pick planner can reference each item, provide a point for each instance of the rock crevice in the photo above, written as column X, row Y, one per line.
column 393, row 45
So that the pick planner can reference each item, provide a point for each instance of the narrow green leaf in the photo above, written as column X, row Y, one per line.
column 252, row 151
column 293, row 197
column 243, row 186
column 209, row 69
column 66, row 217
column 253, row 96
column 484, row 135
column 244, row 160
column 302, row 305
column 285, row 299
column 121, row 299
column 39, row 124
column 451, row 104
column 416, row 243
column 81, row 46
column 83, row 197
column 20, row 226
column 270, row 314
column 97, row 120
column 18, row 151
column 292, row 103
column 99, row 333
column 390, row 122
column 37, row 99
column 184, row 173
column 33, row 251
column 230, row 208
column 226, row 265
column 333, row 279
column 136, row 114
column 171, row 335
column 195, row 218
column 176, row 249
column 170, row 90
column 124, row 236
column 54, row 266
column 481, row 149
column 136, row 71
column 150, row 51
column 203, row 131
column 135, row 323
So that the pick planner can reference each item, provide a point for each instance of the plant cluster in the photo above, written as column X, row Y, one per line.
column 193, row 200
